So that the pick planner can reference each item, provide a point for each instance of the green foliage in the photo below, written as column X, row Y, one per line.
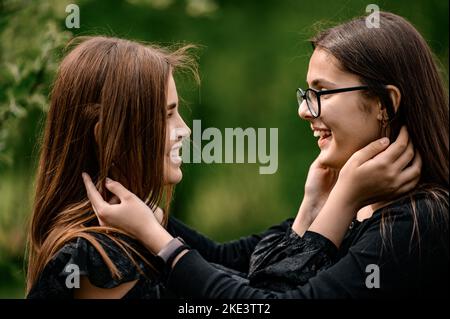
column 30, row 37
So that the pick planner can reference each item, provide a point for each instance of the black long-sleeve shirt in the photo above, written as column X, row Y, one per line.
column 367, row 265
column 234, row 254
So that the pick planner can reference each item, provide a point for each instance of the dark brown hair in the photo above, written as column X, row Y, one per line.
column 120, row 85
column 396, row 54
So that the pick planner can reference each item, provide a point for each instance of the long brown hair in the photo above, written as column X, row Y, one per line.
column 396, row 53
column 121, row 87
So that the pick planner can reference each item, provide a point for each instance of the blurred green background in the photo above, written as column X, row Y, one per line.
column 252, row 57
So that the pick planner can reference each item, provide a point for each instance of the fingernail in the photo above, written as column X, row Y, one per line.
column 84, row 175
column 108, row 180
column 384, row 141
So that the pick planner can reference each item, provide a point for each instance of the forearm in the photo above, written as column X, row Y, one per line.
column 234, row 254
column 305, row 216
column 335, row 216
column 155, row 237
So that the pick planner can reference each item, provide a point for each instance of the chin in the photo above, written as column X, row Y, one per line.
column 338, row 152
column 174, row 176
column 331, row 158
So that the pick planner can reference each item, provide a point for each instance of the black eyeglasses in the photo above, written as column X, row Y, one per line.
column 312, row 97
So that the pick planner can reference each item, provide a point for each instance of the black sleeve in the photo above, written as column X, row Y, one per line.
column 79, row 256
column 234, row 254
column 283, row 261
column 402, row 270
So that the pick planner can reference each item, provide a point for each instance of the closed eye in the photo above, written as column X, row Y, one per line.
column 170, row 109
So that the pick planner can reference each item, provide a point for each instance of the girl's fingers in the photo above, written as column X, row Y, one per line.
column 406, row 157
column 94, row 196
column 397, row 148
column 408, row 186
column 412, row 173
column 371, row 150
column 118, row 189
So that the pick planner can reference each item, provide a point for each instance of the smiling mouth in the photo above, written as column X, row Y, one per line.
column 175, row 154
column 322, row 133
column 324, row 136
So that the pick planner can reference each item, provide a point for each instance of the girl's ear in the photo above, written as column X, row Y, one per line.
column 395, row 96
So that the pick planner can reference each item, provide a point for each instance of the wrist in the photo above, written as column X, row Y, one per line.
column 155, row 237
column 306, row 214
column 302, row 221
column 170, row 253
column 343, row 195
column 334, row 218
column 312, row 204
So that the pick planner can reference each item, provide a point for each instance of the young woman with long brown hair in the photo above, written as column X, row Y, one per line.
column 364, row 84
column 112, row 103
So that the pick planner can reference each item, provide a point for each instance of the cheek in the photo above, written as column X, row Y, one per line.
column 353, row 128
column 356, row 131
column 169, row 133
column 349, row 117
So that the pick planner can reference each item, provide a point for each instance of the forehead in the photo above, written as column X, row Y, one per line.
column 323, row 65
column 172, row 96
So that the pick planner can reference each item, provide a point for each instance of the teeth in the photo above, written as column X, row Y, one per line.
column 321, row 133
column 175, row 154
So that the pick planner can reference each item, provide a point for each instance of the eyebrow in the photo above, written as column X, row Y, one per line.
column 323, row 82
column 171, row 106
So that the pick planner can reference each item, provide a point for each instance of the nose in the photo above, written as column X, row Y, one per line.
column 183, row 130
column 187, row 130
column 304, row 112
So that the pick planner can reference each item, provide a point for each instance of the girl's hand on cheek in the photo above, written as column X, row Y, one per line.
column 319, row 183
column 374, row 174
column 380, row 173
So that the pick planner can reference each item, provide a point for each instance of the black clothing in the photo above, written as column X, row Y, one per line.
column 52, row 283
column 285, row 265
column 227, row 257
column 274, row 264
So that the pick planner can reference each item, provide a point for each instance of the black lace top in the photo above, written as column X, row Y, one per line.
column 57, row 279
column 282, row 261
column 231, row 258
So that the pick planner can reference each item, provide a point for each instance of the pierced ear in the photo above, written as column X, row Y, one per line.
column 395, row 95
column 382, row 113
column 379, row 116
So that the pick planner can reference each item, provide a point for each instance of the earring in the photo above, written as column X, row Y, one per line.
column 384, row 120
column 382, row 116
column 380, row 113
